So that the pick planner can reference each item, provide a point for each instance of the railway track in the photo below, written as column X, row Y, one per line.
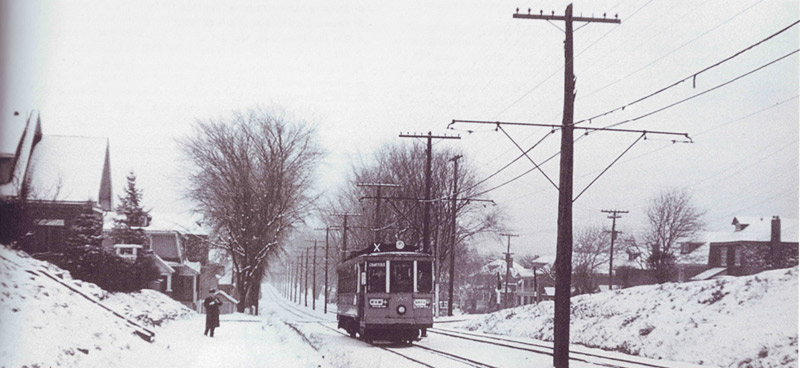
column 576, row 355
column 300, row 313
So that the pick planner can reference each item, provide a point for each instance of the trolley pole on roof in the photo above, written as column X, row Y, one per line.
column 344, row 233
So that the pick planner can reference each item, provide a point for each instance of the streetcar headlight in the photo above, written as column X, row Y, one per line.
column 422, row 303
column 401, row 309
column 378, row 303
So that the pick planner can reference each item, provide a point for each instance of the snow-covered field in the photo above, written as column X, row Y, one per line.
column 731, row 322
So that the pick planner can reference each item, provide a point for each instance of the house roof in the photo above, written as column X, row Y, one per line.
column 70, row 168
column 754, row 229
column 709, row 273
column 127, row 246
column 228, row 297
column 165, row 245
column 499, row 265
column 185, row 223
column 16, row 142
column 163, row 266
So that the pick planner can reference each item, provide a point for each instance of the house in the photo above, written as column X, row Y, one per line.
column 491, row 291
column 756, row 244
column 55, row 179
column 177, row 246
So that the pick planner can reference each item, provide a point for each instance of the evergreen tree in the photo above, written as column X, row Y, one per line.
column 130, row 216
column 87, row 229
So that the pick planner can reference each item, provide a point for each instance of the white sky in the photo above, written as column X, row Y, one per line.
column 141, row 72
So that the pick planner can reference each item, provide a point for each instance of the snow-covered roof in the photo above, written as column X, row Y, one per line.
column 185, row 223
column 753, row 228
column 163, row 265
column 196, row 266
column 137, row 246
column 499, row 265
column 17, row 146
column 226, row 296
column 71, row 168
column 709, row 273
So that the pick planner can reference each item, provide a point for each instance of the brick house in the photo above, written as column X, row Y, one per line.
column 63, row 176
column 756, row 244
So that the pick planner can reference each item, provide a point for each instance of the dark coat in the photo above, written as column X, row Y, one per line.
column 212, row 305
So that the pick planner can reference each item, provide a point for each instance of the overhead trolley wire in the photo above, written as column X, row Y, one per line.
column 693, row 77
column 701, row 93
column 674, row 50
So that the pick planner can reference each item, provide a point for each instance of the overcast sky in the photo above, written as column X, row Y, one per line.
column 141, row 72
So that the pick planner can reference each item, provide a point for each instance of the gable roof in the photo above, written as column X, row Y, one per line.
column 69, row 168
column 499, row 265
column 16, row 147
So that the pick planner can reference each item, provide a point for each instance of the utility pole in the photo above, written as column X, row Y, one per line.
column 305, row 293
column 327, row 231
column 564, row 239
column 508, row 265
column 297, row 278
column 614, row 216
column 344, row 233
column 314, row 278
column 377, row 225
column 426, row 218
column 453, row 242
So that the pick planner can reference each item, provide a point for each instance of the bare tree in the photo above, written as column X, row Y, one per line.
column 591, row 251
column 401, row 218
column 671, row 217
column 252, row 182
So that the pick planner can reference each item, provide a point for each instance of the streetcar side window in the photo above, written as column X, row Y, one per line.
column 347, row 280
column 376, row 277
column 402, row 280
column 424, row 279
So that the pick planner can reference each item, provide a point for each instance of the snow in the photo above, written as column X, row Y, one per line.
column 67, row 168
column 730, row 322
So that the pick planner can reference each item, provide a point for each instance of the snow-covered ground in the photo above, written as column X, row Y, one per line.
column 731, row 322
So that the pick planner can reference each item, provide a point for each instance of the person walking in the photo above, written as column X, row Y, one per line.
column 212, row 304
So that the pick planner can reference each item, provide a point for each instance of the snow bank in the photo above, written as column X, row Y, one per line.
column 731, row 322
column 45, row 324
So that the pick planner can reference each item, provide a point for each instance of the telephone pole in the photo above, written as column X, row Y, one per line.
column 327, row 232
column 614, row 216
column 426, row 218
column 314, row 278
column 453, row 242
column 378, row 186
column 305, row 294
column 564, row 239
column 508, row 265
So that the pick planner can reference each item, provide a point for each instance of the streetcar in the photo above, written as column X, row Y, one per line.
column 385, row 292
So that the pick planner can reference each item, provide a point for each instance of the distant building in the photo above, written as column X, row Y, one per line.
column 756, row 244
column 179, row 249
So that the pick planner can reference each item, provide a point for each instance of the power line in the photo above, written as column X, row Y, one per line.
column 692, row 76
column 701, row 93
column 674, row 50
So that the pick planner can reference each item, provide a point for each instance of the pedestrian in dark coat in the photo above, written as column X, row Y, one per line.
column 212, row 304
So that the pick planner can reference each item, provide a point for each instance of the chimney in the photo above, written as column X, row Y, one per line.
column 775, row 237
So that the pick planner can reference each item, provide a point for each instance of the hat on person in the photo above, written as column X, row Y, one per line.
column 212, row 290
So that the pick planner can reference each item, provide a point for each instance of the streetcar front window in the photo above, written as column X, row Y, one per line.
column 424, row 277
column 376, row 277
column 402, row 280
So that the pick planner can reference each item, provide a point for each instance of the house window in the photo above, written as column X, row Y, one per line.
column 126, row 251
column 723, row 257
column 737, row 256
